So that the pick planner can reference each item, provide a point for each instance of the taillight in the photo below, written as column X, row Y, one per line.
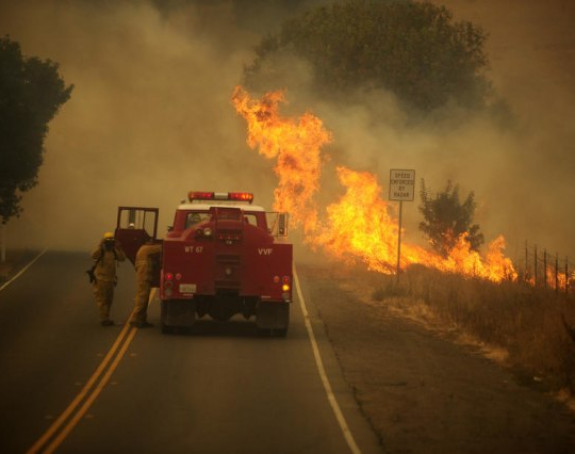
column 168, row 284
column 286, row 283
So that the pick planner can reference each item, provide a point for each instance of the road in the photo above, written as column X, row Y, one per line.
column 73, row 386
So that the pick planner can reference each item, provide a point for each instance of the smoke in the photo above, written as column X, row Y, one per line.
column 151, row 118
column 523, row 179
column 522, row 176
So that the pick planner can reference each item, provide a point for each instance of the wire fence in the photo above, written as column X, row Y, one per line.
column 543, row 269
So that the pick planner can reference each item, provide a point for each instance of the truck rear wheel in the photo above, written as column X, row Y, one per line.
column 167, row 329
column 272, row 318
column 177, row 314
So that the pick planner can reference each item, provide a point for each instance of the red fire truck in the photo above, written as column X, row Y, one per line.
column 222, row 256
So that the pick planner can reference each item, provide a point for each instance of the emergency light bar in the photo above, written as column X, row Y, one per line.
column 234, row 196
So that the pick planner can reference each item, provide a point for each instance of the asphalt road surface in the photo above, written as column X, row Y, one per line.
column 423, row 391
column 69, row 385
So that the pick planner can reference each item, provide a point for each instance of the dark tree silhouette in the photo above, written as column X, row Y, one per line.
column 446, row 218
column 413, row 49
column 31, row 92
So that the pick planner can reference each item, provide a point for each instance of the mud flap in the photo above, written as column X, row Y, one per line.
column 273, row 316
column 178, row 313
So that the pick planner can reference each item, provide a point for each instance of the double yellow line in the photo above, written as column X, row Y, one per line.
column 66, row 422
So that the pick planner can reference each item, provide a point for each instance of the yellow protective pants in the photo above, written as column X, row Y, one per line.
column 104, row 295
column 140, row 312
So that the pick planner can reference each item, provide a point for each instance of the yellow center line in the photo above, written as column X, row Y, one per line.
column 88, row 403
column 127, row 329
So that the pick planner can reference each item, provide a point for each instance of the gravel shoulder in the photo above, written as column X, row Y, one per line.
column 421, row 391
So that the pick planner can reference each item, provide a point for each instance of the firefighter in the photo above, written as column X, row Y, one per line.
column 106, row 254
column 147, row 259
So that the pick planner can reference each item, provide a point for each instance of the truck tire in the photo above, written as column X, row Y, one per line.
column 272, row 319
column 177, row 314
column 167, row 329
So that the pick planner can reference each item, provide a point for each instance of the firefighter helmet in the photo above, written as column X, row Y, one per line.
column 108, row 236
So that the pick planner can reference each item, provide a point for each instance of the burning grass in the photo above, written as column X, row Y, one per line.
column 528, row 329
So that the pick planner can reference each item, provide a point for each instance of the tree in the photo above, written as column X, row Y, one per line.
column 31, row 92
column 446, row 219
column 413, row 49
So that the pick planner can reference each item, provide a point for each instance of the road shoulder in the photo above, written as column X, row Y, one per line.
column 424, row 393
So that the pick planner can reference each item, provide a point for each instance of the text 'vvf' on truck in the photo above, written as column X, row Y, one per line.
column 222, row 256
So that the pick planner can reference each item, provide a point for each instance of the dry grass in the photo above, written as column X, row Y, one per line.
column 530, row 330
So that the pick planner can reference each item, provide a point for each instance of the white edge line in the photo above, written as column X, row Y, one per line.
column 23, row 270
column 322, row 373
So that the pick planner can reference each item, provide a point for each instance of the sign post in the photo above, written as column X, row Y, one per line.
column 401, row 188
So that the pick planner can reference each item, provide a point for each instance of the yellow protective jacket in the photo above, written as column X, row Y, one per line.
column 106, row 267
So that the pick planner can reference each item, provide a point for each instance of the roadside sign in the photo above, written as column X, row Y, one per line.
column 402, row 189
column 402, row 184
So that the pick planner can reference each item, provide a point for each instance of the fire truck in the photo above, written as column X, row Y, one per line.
column 223, row 256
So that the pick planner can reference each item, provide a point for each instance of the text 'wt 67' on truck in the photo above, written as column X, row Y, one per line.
column 222, row 256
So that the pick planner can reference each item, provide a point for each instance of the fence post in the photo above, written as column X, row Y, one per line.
column 535, row 265
column 544, row 268
column 566, row 275
column 526, row 273
column 557, row 272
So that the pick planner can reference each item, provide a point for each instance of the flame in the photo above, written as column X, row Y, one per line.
column 360, row 226
column 297, row 147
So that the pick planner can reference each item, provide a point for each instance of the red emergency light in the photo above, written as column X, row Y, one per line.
column 241, row 196
column 197, row 195
column 235, row 196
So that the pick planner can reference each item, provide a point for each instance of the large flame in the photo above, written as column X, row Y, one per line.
column 360, row 226
column 295, row 144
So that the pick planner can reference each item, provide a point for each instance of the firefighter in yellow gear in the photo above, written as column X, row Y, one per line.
column 106, row 254
column 146, row 263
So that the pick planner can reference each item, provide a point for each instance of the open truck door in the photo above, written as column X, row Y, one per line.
column 134, row 227
column 278, row 224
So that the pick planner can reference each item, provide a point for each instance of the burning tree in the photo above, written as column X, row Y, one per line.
column 446, row 219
